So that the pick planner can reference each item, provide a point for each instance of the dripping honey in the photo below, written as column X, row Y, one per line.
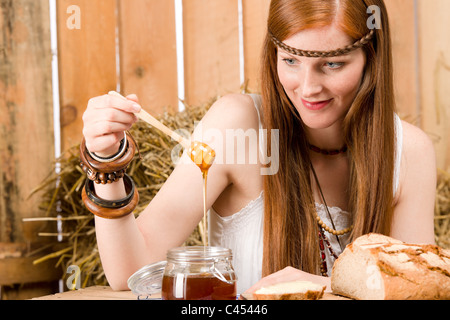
column 203, row 156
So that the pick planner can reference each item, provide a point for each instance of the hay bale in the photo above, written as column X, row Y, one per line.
column 442, row 210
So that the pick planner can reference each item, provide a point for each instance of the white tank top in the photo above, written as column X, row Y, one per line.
column 242, row 232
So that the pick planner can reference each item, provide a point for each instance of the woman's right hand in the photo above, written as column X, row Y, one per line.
column 105, row 119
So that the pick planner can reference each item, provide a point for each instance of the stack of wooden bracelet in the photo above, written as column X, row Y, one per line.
column 105, row 171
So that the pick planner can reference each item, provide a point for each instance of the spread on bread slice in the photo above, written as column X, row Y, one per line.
column 292, row 290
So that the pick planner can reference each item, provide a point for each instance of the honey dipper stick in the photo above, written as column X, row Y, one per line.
column 145, row 116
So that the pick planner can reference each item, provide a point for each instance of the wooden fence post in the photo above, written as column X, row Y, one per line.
column 434, row 52
column 255, row 26
column 148, row 57
column 87, row 60
column 211, row 43
column 26, row 128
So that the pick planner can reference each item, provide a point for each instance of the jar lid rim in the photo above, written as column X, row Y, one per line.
column 147, row 280
column 197, row 253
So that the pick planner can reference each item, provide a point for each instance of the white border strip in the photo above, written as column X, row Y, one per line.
column 241, row 43
column 56, row 99
column 55, row 78
column 180, row 52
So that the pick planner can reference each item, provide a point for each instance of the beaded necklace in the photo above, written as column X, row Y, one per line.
column 323, row 240
column 327, row 152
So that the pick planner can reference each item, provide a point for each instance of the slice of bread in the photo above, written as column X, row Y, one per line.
column 292, row 290
column 377, row 267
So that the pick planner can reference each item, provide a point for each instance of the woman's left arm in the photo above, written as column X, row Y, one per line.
column 413, row 219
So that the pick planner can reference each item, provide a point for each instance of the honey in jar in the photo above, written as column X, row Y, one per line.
column 199, row 273
column 197, row 287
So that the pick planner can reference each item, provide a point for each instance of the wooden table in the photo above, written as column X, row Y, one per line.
column 91, row 293
column 106, row 293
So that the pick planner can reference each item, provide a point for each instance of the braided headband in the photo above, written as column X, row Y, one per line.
column 323, row 54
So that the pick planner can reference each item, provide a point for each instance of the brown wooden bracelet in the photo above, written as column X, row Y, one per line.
column 107, row 172
column 100, row 177
column 112, row 212
column 119, row 203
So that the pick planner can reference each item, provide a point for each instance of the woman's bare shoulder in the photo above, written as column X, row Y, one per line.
column 416, row 142
column 413, row 217
column 418, row 154
column 232, row 111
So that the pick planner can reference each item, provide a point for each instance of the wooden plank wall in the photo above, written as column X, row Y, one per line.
column 401, row 21
column 421, row 45
column 26, row 146
column 147, row 53
column 211, row 49
column 87, row 60
column 131, row 46
column 26, row 129
column 434, row 52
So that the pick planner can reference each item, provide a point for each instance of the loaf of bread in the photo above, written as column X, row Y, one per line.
column 292, row 290
column 377, row 267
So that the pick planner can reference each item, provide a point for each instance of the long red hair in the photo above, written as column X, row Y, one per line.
column 290, row 226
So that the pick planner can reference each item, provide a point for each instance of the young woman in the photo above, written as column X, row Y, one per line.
column 346, row 164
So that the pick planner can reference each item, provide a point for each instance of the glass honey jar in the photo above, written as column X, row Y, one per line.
column 190, row 273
